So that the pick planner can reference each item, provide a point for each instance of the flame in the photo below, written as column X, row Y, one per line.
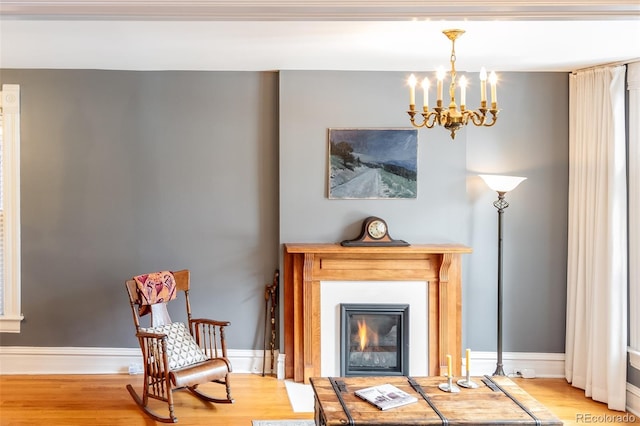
column 362, row 334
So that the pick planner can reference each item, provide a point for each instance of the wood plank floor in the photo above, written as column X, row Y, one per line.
column 63, row 400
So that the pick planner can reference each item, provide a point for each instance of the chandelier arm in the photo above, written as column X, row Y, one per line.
column 478, row 118
column 494, row 118
column 428, row 119
column 466, row 114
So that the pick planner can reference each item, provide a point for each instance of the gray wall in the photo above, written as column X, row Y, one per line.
column 453, row 204
column 131, row 172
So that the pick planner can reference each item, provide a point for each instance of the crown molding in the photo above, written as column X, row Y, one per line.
column 284, row 10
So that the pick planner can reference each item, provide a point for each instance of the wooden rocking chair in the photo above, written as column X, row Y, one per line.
column 177, row 356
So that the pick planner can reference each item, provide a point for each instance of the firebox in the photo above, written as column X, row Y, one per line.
column 374, row 340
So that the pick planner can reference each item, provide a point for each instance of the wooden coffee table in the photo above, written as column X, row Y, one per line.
column 336, row 403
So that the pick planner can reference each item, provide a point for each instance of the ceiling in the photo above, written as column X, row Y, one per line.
column 365, row 35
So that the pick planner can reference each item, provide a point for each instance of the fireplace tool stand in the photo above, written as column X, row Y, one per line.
column 270, row 303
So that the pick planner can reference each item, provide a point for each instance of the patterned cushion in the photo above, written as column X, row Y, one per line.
column 182, row 349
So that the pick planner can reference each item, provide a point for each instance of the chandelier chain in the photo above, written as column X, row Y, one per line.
column 452, row 86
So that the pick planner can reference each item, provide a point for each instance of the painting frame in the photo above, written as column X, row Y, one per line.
column 372, row 163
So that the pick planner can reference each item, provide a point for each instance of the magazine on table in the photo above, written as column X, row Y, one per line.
column 386, row 396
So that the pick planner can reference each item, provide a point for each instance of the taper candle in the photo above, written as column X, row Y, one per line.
column 463, row 91
column 412, row 89
column 425, row 90
column 493, row 79
column 483, row 84
column 468, row 362
column 440, row 77
column 449, row 366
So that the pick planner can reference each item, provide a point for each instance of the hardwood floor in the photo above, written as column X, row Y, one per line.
column 59, row 400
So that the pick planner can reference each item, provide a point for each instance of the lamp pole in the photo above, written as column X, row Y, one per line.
column 500, row 204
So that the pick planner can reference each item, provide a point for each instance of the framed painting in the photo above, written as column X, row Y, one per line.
column 373, row 163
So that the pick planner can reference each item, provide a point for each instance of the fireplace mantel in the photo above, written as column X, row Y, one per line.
column 307, row 265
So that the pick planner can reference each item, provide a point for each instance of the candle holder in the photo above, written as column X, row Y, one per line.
column 448, row 386
column 467, row 382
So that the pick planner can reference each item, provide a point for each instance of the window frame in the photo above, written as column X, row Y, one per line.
column 633, row 93
column 11, row 316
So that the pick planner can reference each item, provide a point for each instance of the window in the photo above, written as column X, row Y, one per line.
column 10, row 313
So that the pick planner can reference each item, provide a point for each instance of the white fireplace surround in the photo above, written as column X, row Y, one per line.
column 412, row 293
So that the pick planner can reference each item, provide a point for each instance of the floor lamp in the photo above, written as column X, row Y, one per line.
column 502, row 185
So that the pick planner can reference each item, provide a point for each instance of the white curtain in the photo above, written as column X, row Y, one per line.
column 596, row 342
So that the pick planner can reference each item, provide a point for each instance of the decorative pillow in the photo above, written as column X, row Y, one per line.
column 182, row 349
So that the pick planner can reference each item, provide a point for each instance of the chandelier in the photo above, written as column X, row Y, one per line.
column 452, row 118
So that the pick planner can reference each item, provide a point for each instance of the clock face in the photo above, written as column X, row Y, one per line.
column 377, row 229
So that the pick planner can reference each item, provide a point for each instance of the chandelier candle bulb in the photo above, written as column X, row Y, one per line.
column 483, row 85
column 493, row 79
column 440, row 77
column 425, row 90
column 412, row 89
column 463, row 92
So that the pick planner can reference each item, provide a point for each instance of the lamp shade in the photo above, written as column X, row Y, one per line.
column 502, row 183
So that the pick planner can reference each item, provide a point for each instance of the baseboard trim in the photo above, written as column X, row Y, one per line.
column 633, row 399
column 82, row 360
column 548, row 365
column 73, row 360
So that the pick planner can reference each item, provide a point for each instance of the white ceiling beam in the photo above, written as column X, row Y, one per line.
column 352, row 10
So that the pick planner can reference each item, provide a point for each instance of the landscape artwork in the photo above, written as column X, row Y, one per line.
column 373, row 163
